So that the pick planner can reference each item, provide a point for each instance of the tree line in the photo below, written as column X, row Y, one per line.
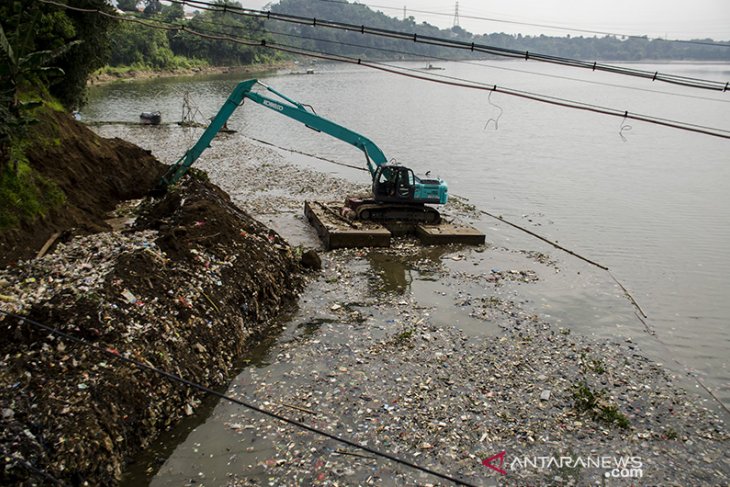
column 140, row 46
column 137, row 45
column 352, row 43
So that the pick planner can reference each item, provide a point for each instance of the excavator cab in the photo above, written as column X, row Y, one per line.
column 394, row 183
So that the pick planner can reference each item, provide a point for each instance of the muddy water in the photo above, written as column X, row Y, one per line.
column 654, row 209
column 378, row 292
column 370, row 292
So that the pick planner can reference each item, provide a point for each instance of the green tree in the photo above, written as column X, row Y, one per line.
column 127, row 5
column 23, row 74
column 35, row 26
column 152, row 7
column 173, row 12
column 135, row 44
column 221, row 52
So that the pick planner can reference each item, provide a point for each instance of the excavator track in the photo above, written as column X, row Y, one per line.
column 385, row 212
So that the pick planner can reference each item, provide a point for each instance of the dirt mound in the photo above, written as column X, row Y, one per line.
column 95, row 174
column 184, row 291
column 187, row 289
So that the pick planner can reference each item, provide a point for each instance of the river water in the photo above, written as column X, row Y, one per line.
column 649, row 202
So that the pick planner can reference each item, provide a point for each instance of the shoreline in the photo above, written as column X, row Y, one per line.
column 140, row 75
column 98, row 79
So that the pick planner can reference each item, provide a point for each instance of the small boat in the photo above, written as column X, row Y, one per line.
column 430, row 66
column 150, row 118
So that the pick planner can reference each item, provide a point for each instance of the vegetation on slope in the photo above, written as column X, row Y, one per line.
column 46, row 54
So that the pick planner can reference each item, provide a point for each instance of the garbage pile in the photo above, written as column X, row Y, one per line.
column 184, row 290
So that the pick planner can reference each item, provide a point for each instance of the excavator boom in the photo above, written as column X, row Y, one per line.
column 288, row 107
column 393, row 184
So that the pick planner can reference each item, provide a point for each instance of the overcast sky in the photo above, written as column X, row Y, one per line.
column 656, row 18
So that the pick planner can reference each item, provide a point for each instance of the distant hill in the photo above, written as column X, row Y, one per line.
column 368, row 46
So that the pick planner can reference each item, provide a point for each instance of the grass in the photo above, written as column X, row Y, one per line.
column 594, row 365
column 176, row 62
column 597, row 366
column 24, row 194
column 597, row 406
column 404, row 337
column 671, row 434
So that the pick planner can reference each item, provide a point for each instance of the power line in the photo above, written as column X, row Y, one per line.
column 462, row 45
column 460, row 82
column 460, row 61
column 546, row 26
column 114, row 354
column 625, row 114
column 474, row 63
column 488, row 66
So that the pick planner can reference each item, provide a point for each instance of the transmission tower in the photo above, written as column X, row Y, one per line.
column 456, row 14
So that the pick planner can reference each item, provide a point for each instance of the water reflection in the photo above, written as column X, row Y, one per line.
column 395, row 273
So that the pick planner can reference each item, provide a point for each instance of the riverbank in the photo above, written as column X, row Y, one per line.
column 445, row 356
column 114, row 74
column 186, row 283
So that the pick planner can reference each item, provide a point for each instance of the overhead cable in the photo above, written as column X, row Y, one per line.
column 461, row 45
column 114, row 354
column 546, row 26
column 441, row 79
column 482, row 65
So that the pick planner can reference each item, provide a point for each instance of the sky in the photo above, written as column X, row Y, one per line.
column 673, row 19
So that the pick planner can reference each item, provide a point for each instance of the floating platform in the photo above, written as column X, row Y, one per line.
column 446, row 233
column 337, row 232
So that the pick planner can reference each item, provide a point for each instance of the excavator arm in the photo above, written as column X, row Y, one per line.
column 285, row 106
column 397, row 193
column 297, row 111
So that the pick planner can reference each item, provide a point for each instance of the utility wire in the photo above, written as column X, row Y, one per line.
column 547, row 26
column 463, row 83
column 114, row 354
column 462, row 45
column 416, row 74
column 462, row 61
column 459, row 81
column 295, row 151
column 482, row 65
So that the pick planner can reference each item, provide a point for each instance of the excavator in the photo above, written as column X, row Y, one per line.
column 397, row 193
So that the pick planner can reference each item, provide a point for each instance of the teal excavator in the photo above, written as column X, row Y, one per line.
column 397, row 193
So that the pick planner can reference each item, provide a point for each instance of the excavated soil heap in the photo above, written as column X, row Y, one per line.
column 186, row 289
column 94, row 173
